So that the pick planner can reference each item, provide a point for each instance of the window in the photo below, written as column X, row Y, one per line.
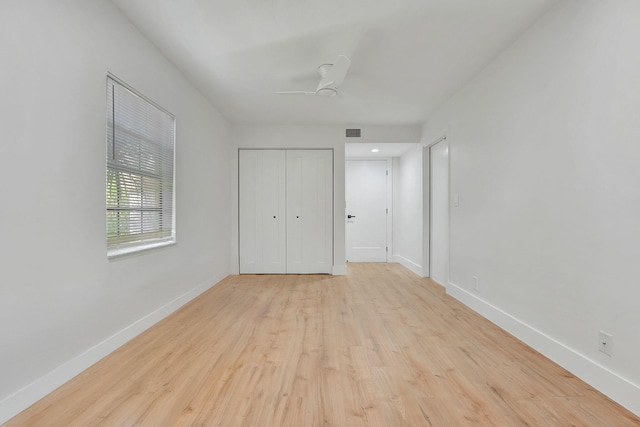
column 139, row 187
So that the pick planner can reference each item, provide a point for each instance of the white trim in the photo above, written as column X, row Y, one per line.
column 426, row 201
column 609, row 383
column 389, row 208
column 435, row 281
column 426, row 211
column 15, row 403
column 429, row 261
column 118, row 252
column 416, row 268
column 339, row 270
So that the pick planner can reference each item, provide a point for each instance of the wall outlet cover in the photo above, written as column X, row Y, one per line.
column 605, row 343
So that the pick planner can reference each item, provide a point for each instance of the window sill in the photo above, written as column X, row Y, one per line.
column 136, row 249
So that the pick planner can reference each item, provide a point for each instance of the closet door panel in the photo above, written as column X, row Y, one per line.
column 309, row 211
column 262, row 222
column 274, row 202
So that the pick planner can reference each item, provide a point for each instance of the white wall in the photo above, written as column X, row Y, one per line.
column 59, row 294
column 408, row 210
column 545, row 157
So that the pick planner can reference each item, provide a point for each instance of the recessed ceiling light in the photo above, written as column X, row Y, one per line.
column 375, row 150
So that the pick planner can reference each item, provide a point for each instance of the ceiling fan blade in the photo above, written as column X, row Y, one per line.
column 295, row 92
column 336, row 74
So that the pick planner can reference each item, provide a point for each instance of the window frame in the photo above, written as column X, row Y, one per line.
column 145, row 240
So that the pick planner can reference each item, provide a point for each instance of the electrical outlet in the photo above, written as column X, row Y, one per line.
column 476, row 287
column 605, row 343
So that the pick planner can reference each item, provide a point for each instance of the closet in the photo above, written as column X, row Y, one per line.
column 285, row 211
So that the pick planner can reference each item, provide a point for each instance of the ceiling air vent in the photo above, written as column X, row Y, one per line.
column 354, row 133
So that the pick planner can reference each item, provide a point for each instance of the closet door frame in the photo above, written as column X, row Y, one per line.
column 331, row 214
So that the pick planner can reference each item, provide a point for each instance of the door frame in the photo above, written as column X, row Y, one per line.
column 334, row 270
column 389, row 162
column 426, row 203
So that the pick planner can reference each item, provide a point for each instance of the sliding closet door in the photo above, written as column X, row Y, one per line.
column 262, row 221
column 309, row 211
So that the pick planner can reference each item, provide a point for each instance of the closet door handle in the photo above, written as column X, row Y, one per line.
column 351, row 216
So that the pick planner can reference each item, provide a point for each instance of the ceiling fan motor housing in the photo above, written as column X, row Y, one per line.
column 332, row 77
column 327, row 92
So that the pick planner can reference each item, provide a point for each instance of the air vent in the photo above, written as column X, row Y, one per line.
column 354, row 133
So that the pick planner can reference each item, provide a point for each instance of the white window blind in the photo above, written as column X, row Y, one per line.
column 140, row 163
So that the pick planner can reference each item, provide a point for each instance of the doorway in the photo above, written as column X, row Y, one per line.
column 439, row 212
column 368, row 222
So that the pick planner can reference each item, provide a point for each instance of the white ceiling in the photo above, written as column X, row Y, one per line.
column 408, row 56
column 363, row 150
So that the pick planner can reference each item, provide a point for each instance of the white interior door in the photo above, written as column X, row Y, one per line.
column 262, row 221
column 366, row 194
column 309, row 211
column 439, row 224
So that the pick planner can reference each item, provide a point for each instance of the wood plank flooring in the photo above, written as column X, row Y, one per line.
column 378, row 347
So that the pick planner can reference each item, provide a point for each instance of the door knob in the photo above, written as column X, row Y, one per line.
column 351, row 216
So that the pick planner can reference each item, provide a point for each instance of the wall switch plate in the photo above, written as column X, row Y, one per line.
column 605, row 343
column 456, row 200
column 476, row 286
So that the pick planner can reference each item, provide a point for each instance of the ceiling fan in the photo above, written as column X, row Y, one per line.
column 332, row 76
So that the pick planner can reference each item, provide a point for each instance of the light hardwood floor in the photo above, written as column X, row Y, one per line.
column 378, row 347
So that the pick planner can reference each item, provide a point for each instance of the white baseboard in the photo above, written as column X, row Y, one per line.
column 339, row 270
column 609, row 383
column 416, row 268
column 17, row 402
